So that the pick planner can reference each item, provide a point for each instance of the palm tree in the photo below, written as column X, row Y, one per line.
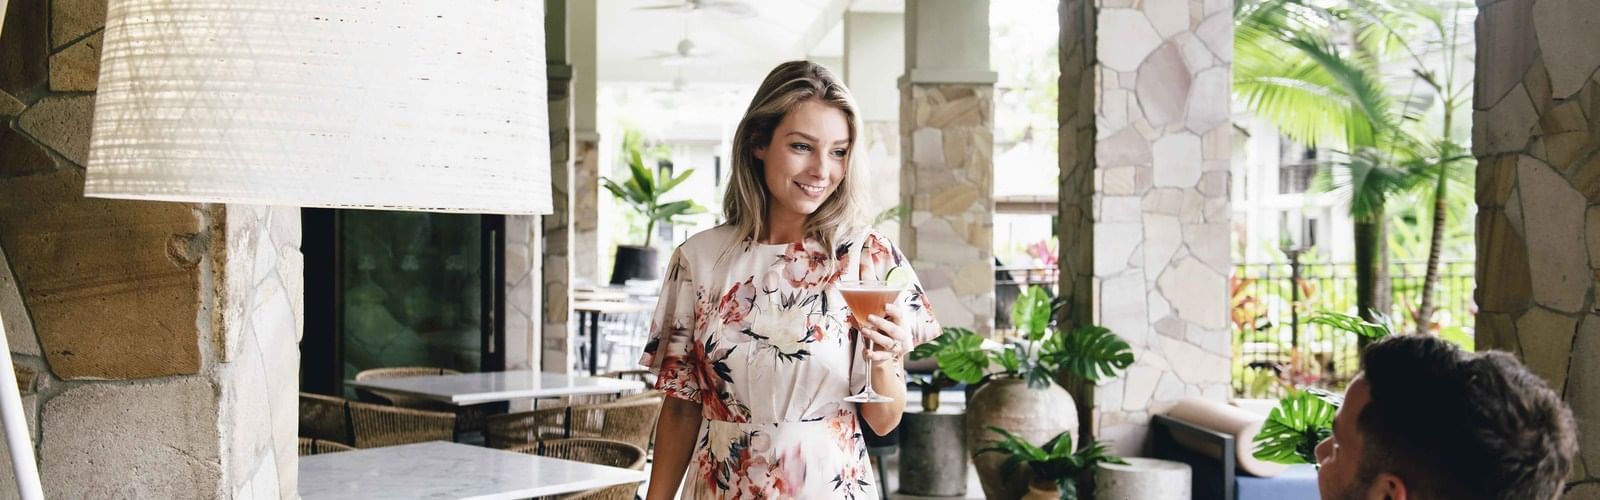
column 1290, row 70
column 1447, row 163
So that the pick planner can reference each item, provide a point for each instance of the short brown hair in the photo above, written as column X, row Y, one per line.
column 1454, row 424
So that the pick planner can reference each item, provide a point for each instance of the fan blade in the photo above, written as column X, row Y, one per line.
column 670, row 6
column 734, row 9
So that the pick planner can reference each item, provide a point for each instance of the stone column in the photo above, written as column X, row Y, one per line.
column 1144, row 199
column 582, row 42
column 874, row 53
column 1537, row 110
column 556, row 278
column 155, row 342
column 947, row 160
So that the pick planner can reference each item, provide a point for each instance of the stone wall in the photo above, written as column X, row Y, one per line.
column 155, row 342
column 1144, row 222
column 1536, row 133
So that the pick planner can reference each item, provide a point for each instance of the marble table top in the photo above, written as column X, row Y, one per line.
column 475, row 388
column 443, row 470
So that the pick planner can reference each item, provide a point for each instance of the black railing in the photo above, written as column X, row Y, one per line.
column 1271, row 352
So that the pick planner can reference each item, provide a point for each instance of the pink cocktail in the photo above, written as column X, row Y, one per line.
column 868, row 298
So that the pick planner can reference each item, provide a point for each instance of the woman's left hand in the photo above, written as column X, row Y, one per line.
column 891, row 337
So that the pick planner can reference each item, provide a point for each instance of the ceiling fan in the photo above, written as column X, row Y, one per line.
column 731, row 8
column 685, row 53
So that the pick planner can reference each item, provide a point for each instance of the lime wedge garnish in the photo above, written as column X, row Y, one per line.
column 899, row 276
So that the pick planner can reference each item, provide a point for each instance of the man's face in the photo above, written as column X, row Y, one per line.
column 1339, row 457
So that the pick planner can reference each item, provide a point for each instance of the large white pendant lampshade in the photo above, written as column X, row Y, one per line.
column 385, row 104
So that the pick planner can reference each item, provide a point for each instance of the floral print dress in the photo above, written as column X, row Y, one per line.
column 757, row 335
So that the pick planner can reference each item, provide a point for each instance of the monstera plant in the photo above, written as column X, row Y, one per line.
column 1016, row 382
column 1305, row 417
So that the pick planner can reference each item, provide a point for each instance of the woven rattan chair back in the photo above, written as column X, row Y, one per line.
column 313, row 446
column 630, row 421
column 593, row 451
column 324, row 418
column 375, row 425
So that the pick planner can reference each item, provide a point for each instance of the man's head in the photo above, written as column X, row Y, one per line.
column 1425, row 420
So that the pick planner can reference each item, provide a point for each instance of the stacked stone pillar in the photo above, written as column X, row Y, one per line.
column 582, row 47
column 1536, row 133
column 556, row 270
column 947, row 158
column 1143, row 221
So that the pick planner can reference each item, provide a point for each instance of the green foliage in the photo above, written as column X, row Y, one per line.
column 1089, row 352
column 1030, row 314
column 1293, row 429
column 959, row 352
column 1391, row 138
column 1352, row 324
column 644, row 192
column 1056, row 461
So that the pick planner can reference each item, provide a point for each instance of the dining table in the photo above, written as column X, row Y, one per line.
column 443, row 470
column 465, row 389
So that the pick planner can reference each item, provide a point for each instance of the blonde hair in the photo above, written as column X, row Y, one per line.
column 745, row 204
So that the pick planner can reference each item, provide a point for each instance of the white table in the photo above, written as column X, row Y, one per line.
column 488, row 387
column 448, row 470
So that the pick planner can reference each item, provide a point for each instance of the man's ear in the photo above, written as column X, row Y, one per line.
column 1387, row 487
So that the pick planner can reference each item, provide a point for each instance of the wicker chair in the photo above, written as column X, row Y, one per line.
column 468, row 418
column 374, row 425
column 313, row 446
column 630, row 421
column 594, row 451
column 324, row 418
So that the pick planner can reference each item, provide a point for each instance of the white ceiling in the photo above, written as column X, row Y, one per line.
column 742, row 50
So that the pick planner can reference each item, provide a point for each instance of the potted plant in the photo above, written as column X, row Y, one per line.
column 1305, row 417
column 644, row 192
column 930, row 385
column 1057, row 467
column 1016, row 384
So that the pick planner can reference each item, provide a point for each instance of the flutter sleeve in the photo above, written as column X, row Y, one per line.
column 670, row 350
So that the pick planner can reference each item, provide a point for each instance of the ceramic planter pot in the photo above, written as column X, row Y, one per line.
column 1033, row 414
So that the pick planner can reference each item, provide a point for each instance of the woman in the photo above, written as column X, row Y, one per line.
column 754, row 347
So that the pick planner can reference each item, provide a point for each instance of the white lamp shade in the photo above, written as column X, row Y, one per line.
column 384, row 104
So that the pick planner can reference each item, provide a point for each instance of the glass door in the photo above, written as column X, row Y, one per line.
column 399, row 289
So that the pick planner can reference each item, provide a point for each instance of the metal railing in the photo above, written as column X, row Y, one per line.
column 1272, row 351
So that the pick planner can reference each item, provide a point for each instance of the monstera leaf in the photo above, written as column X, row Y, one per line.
column 1351, row 324
column 1294, row 428
column 959, row 352
column 1090, row 352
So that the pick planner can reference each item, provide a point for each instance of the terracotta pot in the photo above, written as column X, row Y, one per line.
column 1033, row 414
column 1042, row 490
column 930, row 400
